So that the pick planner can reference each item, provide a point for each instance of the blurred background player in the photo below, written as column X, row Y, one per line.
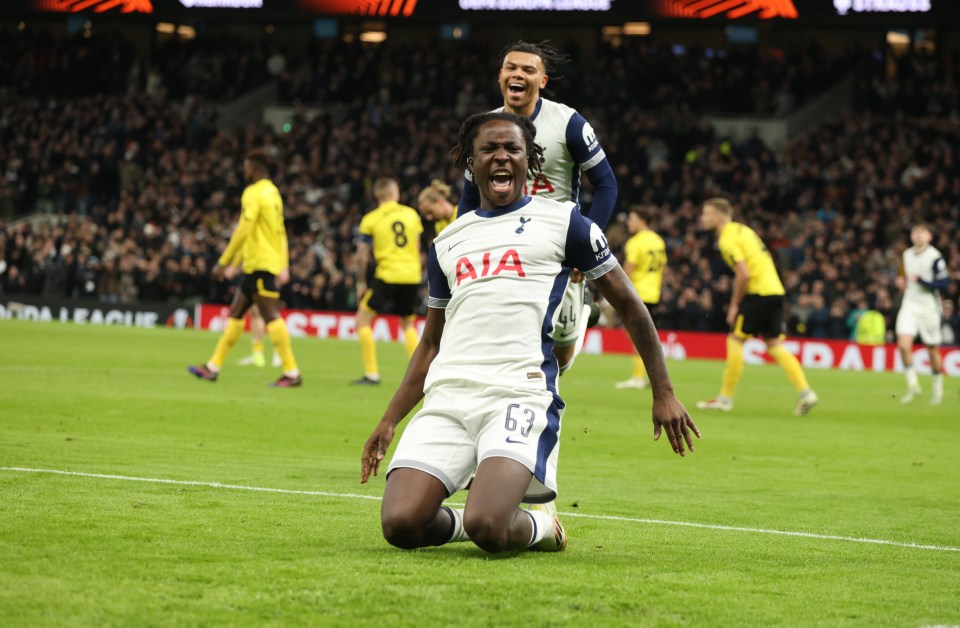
column 485, row 356
column 570, row 147
column 434, row 203
column 393, row 231
column 924, row 276
column 645, row 257
column 258, row 330
column 756, row 306
column 260, row 240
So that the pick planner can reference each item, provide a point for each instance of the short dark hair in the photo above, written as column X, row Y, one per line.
column 646, row 213
column 553, row 59
column 259, row 157
column 471, row 126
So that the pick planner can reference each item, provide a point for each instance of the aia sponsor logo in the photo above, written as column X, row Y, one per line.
column 509, row 263
column 731, row 9
column 360, row 7
column 97, row 6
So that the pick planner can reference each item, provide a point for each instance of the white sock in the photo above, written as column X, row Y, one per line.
column 911, row 374
column 937, row 385
column 458, row 534
column 213, row 368
column 542, row 525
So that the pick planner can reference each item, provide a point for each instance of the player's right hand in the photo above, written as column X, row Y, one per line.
column 375, row 450
column 669, row 415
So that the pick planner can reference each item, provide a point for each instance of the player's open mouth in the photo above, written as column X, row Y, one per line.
column 501, row 180
column 516, row 88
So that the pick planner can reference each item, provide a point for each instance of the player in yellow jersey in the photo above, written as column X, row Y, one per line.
column 258, row 329
column 260, row 241
column 393, row 231
column 435, row 205
column 756, row 306
column 645, row 257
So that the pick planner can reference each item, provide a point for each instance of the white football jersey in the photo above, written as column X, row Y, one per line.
column 570, row 148
column 500, row 275
column 932, row 271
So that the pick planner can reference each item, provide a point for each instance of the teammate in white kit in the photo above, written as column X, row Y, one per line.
column 485, row 363
column 921, row 312
column 570, row 147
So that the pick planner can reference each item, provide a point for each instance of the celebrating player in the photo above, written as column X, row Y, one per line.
column 645, row 257
column 570, row 147
column 756, row 306
column 260, row 240
column 921, row 312
column 435, row 205
column 394, row 232
column 485, row 365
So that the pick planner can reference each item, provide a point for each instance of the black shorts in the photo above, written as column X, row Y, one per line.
column 761, row 316
column 391, row 298
column 259, row 282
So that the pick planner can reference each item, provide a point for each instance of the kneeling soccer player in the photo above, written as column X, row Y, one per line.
column 497, row 276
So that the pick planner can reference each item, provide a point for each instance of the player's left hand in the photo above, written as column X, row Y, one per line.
column 669, row 415
column 732, row 312
column 229, row 272
column 283, row 277
column 375, row 450
column 575, row 276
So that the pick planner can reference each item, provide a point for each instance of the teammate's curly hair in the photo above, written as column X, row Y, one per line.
column 553, row 59
column 471, row 126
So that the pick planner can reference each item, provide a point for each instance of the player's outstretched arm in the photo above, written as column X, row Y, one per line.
column 668, row 413
column 407, row 396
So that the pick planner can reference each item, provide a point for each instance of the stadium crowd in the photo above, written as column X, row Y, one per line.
column 139, row 188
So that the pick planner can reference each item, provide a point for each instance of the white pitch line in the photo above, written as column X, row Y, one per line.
column 687, row 524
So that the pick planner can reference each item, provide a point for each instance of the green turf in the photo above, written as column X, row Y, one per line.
column 95, row 551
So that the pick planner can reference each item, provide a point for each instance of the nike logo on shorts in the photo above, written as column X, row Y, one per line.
column 514, row 442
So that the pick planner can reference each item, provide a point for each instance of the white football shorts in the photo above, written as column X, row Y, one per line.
column 459, row 427
column 571, row 310
column 925, row 322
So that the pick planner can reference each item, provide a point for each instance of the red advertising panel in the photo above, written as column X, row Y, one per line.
column 730, row 9
column 96, row 6
column 815, row 354
column 359, row 7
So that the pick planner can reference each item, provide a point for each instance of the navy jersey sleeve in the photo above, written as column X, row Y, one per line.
column 586, row 151
column 941, row 279
column 470, row 199
column 439, row 289
column 587, row 248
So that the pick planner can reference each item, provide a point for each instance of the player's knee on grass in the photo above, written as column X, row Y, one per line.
column 406, row 528
column 486, row 530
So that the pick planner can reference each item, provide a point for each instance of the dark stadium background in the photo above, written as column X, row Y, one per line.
column 121, row 134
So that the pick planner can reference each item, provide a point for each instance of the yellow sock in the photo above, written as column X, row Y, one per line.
column 789, row 363
column 257, row 346
column 368, row 351
column 734, row 368
column 639, row 370
column 410, row 340
column 280, row 337
column 228, row 338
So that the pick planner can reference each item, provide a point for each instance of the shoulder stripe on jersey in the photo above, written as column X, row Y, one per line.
column 602, row 269
column 593, row 161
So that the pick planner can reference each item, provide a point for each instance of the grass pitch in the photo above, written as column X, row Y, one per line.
column 93, row 550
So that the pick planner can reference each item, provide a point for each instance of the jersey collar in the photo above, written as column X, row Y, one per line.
column 536, row 110
column 493, row 213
